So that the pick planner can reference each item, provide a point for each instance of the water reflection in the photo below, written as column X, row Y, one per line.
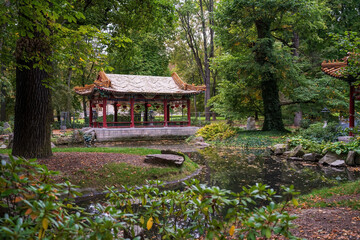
column 232, row 169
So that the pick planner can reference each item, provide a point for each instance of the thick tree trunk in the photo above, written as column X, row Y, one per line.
column 270, row 91
column 33, row 112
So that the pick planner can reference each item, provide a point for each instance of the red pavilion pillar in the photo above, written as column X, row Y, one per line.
column 115, row 112
column 165, row 113
column 104, row 113
column 132, row 101
column 90, row 115
column 188, row 112
column 352, row 109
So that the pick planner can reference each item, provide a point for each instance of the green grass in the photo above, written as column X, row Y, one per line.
column 135, row 151
column 253, row 139
column 118, row 174
column 343, row 195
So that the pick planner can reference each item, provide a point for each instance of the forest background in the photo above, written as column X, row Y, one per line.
column 257, row 58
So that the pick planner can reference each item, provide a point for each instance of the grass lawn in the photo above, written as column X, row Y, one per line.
column 106, row 174
column 343, row 195
column 118, row 174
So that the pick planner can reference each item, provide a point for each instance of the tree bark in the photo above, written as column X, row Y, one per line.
column 206, row 64
column 33, row 112
column 270, row 91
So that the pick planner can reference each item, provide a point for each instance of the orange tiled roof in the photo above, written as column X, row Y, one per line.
column 335, row 68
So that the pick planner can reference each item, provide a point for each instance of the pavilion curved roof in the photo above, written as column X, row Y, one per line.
column 137, row 84
column 335, row 68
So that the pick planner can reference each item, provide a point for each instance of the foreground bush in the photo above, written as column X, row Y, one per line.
column 33, row 207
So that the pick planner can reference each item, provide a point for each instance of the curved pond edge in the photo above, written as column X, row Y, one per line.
column 90, row 194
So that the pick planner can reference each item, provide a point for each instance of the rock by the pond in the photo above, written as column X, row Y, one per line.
column 53, row 145
column 296, row 152
column 168, row 159
column 329, row 158
column 202, row 144
column 295, row 158
column 279, row 149
column 312, row 157
column 3, row 146
column 250, row 125
column 197, row 139
column 169, row 151
column 350, row 159
column 338, row 163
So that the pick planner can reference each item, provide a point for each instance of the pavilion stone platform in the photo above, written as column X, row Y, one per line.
column 118, row 134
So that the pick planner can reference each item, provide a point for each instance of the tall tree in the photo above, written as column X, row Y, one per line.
column 37, row 23
column 196, row 21
column 261, row 24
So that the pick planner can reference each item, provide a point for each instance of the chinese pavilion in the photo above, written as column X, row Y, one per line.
column 132, row 94
column 336, row 69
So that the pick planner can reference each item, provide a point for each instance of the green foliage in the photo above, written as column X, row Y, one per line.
column 216, row 131
column 317, row 133
column 34, row 207
column 308, row 145
column 252, row 140
column 342, row 147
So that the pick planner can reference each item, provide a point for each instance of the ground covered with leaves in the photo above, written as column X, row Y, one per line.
column 327, row 223
column 103, row 169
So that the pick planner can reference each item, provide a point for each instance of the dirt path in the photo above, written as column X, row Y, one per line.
column 327, row 223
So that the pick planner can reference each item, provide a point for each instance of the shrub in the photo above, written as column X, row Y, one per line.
column 34, row 207
column 342, row 147
column 308, row 145
column 318, row 134
column 216, row 131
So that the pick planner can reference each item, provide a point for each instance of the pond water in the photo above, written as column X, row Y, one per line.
column 234, row 168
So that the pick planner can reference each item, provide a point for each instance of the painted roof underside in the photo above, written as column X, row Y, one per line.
column 135, row 84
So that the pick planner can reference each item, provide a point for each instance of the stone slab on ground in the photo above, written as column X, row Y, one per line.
column 338, row 163
column 168, row 159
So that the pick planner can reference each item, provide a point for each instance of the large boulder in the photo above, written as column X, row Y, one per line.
column 312, row 157
column 279, row 148
column 296, row 152
column 167, row 159
column 338, row 163
column 350, row 159
column 330, row 158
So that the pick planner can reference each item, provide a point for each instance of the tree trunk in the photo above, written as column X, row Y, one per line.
column 3, row 102
column 33, row 112
column 270, row 92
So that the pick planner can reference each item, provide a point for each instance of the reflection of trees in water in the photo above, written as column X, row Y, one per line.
column 233, row 168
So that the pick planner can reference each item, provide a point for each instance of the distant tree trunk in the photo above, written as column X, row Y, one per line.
column 270, row 92
column 33, row 112
column 68, row 110
column 83, row 97
column 296, row 44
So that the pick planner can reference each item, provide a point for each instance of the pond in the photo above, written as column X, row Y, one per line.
column 234, row 168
